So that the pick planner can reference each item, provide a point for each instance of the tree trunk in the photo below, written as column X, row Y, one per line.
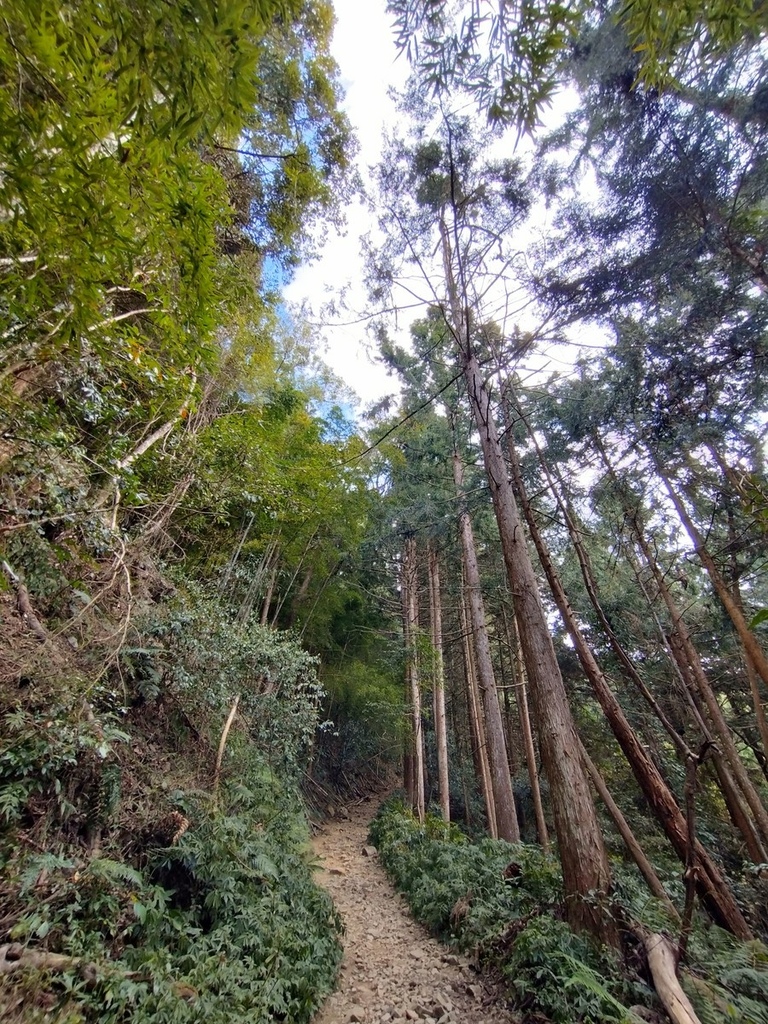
column 525, row 729
column 501, row 782
column 476, row 719
column 728, row 787
column 507, row 716
column 635, row 849
column 749, row 640
column 583, row 857
column 585, row 564
column 662, row 965
column 438, row 680
column 411, row 624
column 689, row 652
column 656, row 791
column 266, row 604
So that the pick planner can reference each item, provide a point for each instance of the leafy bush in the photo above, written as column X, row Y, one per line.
column 56, row 753
column 169, row 898
column 197, row 654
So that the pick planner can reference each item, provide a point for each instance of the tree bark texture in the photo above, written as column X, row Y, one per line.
column 480, row 747
column 438, row 680
column 712, row 886
column 582, row 851
column 411, row 625
column 526, row 732
column 635, row 849
column 583, row 856
column 501, row 781
column 703, row 687
column 749, row 640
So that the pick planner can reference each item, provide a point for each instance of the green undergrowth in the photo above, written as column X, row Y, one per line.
column 135, row 884
column 225, row 923
column 505, row 903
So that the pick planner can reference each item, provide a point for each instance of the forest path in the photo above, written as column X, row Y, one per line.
column 393, row 972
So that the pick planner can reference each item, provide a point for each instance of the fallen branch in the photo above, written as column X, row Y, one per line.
column 23, row 603
column 15, row 957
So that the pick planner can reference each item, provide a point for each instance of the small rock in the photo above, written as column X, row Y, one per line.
column 475, row 991
column 369, row 851
column 356, row 1014
column 411, row 1014
column 644, row 1013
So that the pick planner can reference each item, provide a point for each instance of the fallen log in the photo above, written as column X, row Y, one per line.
column 663, row 967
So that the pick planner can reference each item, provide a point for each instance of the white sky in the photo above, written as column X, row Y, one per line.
column 364, row 50
column 369, row 66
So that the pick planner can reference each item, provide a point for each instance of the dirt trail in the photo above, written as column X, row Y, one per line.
column 393, row 972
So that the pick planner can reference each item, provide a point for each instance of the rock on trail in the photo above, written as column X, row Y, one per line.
column 393, row 972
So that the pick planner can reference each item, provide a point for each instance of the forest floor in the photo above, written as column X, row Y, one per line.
column 393, row 972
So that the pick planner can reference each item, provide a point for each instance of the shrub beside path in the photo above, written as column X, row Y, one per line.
column 393, row 972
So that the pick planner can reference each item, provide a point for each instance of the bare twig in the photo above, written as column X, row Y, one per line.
column 222, row 745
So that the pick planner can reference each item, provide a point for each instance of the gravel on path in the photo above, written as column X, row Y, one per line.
column 393, row 972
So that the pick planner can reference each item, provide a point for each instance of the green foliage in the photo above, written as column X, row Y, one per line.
column 364, row 706
column 198, row 656
column 505, row 901
column 670, row 36
column 57, row 753
column 506, row 57
column 227, row 921
column 731, row 982
column 152, row 160
column 511, row 59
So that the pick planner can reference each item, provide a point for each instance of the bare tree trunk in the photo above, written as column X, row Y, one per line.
column 718, row 897
column 728, row 787
column 749, row 640
column 507, row 716
column 270, row 554
column 462, row 724
column 525, row 728
column 411, row 624
column 635, row 849
column 270, row 591
column 476, row 718
column 438, row 680
column 300, row 595
column 503, row 795
column 222, row 746
column 295, row 575
column 704, row 688
column 585, row 564
column 583, row 857
column 235, row 555
column 733, row 802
